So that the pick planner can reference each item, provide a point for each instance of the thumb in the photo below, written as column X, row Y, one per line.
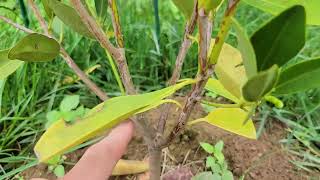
column 99, row 160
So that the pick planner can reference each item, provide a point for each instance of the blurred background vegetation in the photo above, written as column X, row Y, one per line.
column 36, row 88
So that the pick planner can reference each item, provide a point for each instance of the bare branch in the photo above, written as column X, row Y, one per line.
column 185, row 46
column 17, row 26
column 203, row 75
column 117, row 53
column 91, row 85
column 116, row 23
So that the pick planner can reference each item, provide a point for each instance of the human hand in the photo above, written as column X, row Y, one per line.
column 99, row 160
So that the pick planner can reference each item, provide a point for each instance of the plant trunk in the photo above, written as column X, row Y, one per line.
column 155, row 163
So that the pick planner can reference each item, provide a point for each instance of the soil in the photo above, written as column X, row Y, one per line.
column 263, row 159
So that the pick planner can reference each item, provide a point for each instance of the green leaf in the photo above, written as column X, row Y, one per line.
column 209, row 5
column 280, row 39
column 59, row 171
column 219, row 156
column 215, row 86
column 54, row 160
column 260, row 85
column 230, row 71
column 52, row 117
column 210, row 161
column 35, row 47
column 62, row 136
column 227, row 175
column 246, row 49
column 207, row 147
column 7, row 66
column 101, row 8
column 299, row 77
column 276, row 6
column 219, row 146
column 231, row 119
column 69, row 17
column 71, row 116
column 204, row 176
column 69, row 103
column 185, row 6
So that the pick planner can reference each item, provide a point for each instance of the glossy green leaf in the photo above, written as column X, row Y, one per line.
column 69, row 17
column 34, row 48
column 231, row 119
column 7, row 66
column 230, row 71
column 299, row 77
column 61, row 136
column 101, row 8
column 215, row 86
column 260, row 85
column 246, row 49
column 276, row 6
column 185, row 6
column 280, row 39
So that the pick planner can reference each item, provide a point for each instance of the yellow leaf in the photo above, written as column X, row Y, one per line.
column 126, row 167
column 62, row 136
column 215, row 86
column 230, row 71
column 231, row 119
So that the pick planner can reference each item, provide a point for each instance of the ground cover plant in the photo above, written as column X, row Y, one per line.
column 248, row 77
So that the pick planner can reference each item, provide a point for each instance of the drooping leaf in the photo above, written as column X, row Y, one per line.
column 62, row 136
column 34, row 48
column 231, row 119
column 299, row 77
column 7, row 66
column 185, row 6
column 101, row 8
column 246, row 49
column 280, row 39
column 215, row 86
column 69, row 17
column 276, row 6
column 260, row 84
column 126, row 167
column 230, row 71
column 69, row 103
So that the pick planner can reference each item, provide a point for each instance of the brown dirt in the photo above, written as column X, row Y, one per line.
column 262, row 159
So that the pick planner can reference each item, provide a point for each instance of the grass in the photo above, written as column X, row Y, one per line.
column 35, row 89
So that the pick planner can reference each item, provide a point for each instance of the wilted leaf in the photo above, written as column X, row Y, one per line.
column 276, row 6
column 246, row 49
column 231, row 119
column 35, row 47
column 62, row 136
column 185, row 6
column 215, row 86
column 69, row 17
column 280, row 39
column 230, row 71
column 126, row 167
column 299, row 77
column 7, row 66
column 260, row 84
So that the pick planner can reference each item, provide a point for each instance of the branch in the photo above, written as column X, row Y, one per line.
column 116, row 23
column 17, row 26
column 203, row 75
column 91, row 85
column 117, row 53
column 185, row 46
